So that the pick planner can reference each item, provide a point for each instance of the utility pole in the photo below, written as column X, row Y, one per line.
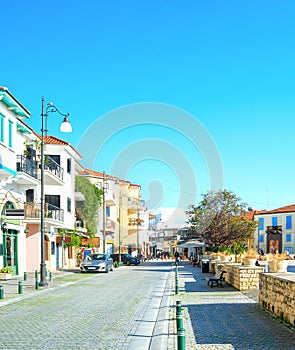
column 137, row 231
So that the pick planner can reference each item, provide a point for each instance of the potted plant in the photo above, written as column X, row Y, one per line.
column 249, row 258
column 5, row 273
column 278, row 262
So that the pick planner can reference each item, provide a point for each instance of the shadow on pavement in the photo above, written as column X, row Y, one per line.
column 242, row 325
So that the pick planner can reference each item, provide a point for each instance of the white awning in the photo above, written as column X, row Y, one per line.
column 192, row 244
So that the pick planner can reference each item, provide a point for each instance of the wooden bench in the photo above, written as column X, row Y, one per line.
column 217, row 279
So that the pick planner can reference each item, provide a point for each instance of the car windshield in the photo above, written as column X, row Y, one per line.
column 128, row 256
column 96, row 257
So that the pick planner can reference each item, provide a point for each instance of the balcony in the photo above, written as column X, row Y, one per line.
column 52, row 213
column 110, row 225
column 110, row 199
column 134, row 205
column 274, row 230
column 26, row 171
column 53, row 172
column 80, row 226
column 135, row 222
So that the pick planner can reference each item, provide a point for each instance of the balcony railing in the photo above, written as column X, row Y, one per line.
column 110, row 224
column 53, row 167
column 26, row 165
column 33, row 211
column 54, row 213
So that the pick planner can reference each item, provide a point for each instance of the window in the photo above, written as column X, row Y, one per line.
column 55, row 157
column 53, row 201
column 69, row 165
column 289, row 250
column 52, row 248
column 288, row 221
column 69, row 204
column 274, row 221
column 108, row 212
column 10, row 123
column 30, row 195
column 261, row 238
column 1, row 128
column 261, row 223
column 288, row 237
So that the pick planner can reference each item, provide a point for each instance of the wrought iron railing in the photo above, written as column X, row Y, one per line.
column 26, row 165
column 51, row 165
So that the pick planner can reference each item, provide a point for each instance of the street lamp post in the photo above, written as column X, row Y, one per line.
column 120, row 205
column 105, row 186
column 65, row 127
column 137, row 230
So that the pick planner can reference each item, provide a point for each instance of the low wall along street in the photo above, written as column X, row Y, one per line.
column 243, row 277
column 277, row 294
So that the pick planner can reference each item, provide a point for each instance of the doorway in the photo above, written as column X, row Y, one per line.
column 274, row 243
column 10, row 244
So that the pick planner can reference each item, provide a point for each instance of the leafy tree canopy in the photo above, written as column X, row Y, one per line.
column 93, row 200
column 219, row 219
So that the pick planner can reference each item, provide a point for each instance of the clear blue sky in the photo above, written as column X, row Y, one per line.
column 229, row 64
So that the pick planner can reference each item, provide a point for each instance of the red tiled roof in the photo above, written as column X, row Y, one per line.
column 99, row 174
column 92, row 172
column 135, row 185
column 52, row 140
column 249, row 215
column 286, row 209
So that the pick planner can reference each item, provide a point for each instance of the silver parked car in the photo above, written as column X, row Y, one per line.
column 97, row 263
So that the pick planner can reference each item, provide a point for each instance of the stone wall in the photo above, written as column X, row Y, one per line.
column 277, row 294
column 242, row 277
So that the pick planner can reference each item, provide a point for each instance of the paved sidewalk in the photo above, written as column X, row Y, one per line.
column 11, row 288
column 224, row 318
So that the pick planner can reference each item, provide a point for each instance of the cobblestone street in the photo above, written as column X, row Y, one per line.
column 133, row 308
column 117, row 310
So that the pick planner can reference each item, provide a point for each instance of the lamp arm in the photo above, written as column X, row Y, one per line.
column 51, row 109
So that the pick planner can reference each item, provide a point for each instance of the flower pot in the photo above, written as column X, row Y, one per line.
column 282, row 266
column 5, row 276
column 225, row 258
column 250, row 262
column 272, row 265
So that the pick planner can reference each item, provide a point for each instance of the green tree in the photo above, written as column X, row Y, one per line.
column 93, row 200
column 220, row 220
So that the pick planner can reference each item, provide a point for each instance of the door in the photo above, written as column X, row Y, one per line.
column 57, row 256
column 10, row 250
column 274, row 243
column 30, row 196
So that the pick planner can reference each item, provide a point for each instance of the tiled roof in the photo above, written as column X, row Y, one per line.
column 249, row 215
column 286, row 209
column 135, row 185
column 92, row 173
column 101, row 175
column 52, row 140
